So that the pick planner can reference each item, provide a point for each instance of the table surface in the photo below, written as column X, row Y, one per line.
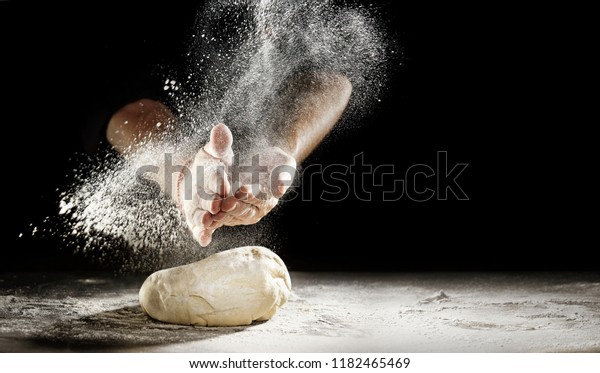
column 328, row 312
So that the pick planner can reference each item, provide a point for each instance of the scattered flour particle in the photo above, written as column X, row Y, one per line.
column 109, row 208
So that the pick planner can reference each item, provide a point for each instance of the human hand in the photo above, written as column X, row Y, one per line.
column 260, row 187
column 203, row 188
column 209, row 202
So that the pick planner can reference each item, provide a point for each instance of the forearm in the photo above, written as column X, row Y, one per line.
column 310, row 106
column 139, row 123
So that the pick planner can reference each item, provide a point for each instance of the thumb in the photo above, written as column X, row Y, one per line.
column 219, row 145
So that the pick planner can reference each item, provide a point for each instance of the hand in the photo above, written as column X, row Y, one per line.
column 274, row 169
column 208, row 203
column 203, row 188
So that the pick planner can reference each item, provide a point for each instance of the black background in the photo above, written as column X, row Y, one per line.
column 489, row 86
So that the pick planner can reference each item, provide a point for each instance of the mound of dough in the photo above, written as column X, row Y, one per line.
column 233, row 287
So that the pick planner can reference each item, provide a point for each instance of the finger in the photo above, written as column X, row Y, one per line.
column 251, row 199
column 223, row 218
column 242, row 193
column 219, row 145
column 214, row 225
column 248, row 213
column 211, row 203
column 202, row 218
column 243, row 210
column 219, row 216
column 249, row 217
column 198, row 233
column 229, row 204
column 248, row 193
column 203, row 236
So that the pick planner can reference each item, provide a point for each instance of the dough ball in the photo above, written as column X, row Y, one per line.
column 233, row 287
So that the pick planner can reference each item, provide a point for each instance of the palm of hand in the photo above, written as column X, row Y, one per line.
column 223, row 194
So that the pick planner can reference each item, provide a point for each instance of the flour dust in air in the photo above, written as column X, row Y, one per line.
column 240, row 56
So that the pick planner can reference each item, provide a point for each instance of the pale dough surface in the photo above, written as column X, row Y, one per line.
column 233, row 287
